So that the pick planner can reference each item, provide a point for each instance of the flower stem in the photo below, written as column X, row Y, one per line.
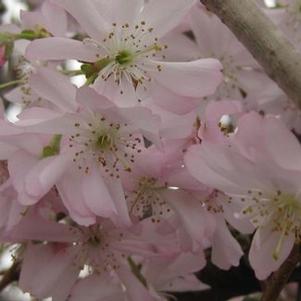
column 73, row 72
column 11, row 83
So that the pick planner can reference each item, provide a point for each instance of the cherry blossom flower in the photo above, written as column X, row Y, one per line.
column 49, row 20
column 258, row 172
column 154, row 193
column 104, row 248
column 214, row 39
column 174, row 152
column 123, row 57
column 92, row 148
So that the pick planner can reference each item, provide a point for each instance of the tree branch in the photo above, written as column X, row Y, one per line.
column 10, row 276
column 279, row 58
column 3, row 172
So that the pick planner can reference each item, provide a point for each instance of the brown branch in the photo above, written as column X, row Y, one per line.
column 279, row 279
column 10, row 276
column 3, row 172
column 279, row 58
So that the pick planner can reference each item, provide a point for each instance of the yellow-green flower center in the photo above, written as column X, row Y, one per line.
column 124, row 57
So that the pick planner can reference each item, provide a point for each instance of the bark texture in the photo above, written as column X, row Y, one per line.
column 279, row 58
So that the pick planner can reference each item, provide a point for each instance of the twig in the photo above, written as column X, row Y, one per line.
column 279, row 58
column 10, row 275
column 3, row 172
column 299, row 292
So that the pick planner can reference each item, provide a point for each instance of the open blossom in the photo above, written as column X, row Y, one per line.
column 214, row 39
column 81, row 151
column 261, row 172
column 154, row 193
column 66, row 250
column 172, row 153
column 90, row 149
column 49, row 20
column 124, row 56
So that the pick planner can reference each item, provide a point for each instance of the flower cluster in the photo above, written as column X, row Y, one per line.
column 125, row 185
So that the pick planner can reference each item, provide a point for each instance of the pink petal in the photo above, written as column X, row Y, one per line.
column 122, row 217
column 61, row 272
column 185, row 263
column 226, row 251
column 135, row 290
column 72, row 196
column 6, row 150
column 88, row 97
column 19, row 165
column 46, row 174
column 120, row 11
column 54, row 87
column 196, row 164
column 165, row 15
column 261, row 252
column 96, row 194
column 194, row 79
column 282, row 144
column 51, row 17
column 171, row 101
column 34, row 227
column 144, row 120
column 89, row 16
column 95, row 288
column 198, row 224
column 60, row 49
column 56, row 20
